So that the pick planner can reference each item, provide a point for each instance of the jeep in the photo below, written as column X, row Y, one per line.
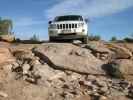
column 68, row 27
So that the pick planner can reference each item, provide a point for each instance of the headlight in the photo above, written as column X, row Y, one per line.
column 51, row 32
column 52, row 26
column 81, row 24
column 83, row 30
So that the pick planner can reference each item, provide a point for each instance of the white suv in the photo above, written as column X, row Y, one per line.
column 68, row 27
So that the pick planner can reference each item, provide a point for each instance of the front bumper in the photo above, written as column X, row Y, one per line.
column 66, row 32
column 67, row 37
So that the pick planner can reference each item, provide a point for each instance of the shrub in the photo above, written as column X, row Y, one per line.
column 128, row 40
column 113, row 38
column 94, row 38
column 34, row 38
column 1, row 33
column 112, row 69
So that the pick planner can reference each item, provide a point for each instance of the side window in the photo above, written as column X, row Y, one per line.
column 81, row 18
column 55, row 18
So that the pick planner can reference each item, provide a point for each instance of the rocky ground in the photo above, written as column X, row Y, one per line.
column 66, row 71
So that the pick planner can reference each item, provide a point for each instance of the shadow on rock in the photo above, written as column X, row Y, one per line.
column 112, row 69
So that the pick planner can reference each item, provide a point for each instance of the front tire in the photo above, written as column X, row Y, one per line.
column 84, row 40
column 51, row 39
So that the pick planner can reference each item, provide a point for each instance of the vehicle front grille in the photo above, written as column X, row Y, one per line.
column 66, row 26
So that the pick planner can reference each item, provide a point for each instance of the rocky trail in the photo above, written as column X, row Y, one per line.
column 66, row 71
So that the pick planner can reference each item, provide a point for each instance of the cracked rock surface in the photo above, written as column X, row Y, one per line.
column 65, row 71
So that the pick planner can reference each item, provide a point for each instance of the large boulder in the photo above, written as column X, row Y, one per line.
column 121, row 68
column 5, row 56
column 5, row 63
column 66, row 56
column 99, row 50
column 120, row 52
column 44, row 71
column 22, row 54
column 4, row 44
column 7, row 38
column 98, row 47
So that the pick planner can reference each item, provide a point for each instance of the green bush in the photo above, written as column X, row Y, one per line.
column 6, row 26
column 94, row 38
column 128, row 40
column 113, row 38
column 113, row 70
column 1, row 33
column 34, row 38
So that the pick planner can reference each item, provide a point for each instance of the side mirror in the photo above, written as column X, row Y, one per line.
column 49, row 22
column 86, row 20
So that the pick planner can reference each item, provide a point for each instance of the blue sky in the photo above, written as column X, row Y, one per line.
column 107, row 17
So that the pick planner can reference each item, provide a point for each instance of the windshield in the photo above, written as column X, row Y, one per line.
column 69, row 18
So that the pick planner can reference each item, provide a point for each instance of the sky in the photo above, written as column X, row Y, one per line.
column 107, row 17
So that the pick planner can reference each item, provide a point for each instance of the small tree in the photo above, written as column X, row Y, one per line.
column 5, row 26
column 113, row 38
column 1, row 33
column 94, row 38
column 34, row 38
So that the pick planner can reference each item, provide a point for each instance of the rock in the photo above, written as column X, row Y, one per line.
column 103, row 98
column 20, row 62
column 33, row 92
column 84, row 97
column 99, row 50
column 120, row 97
column 86, row 83
column 26, row 68
column 124, row 84
column 120, row 52
column 128, row 46
column 59, row 56
column 5, row 56
column 23, row 54
column 76, row 42
column 5, row 73
column 32, row 80
column 31, row 77
column 7, row 38
column 3, row 94
column 7, row 67
column 103, row 87
column 95, row 96
column 34, row 61
column 4, row 44
column 101, row 83
column 57, row 76
column 91, row 78
column 44, row 71
column 104, row 90
column 15, row 65
column 66, row 95
column 74, row 76
column 83, row 53
column 68, row 72
column 98, row 47
column 62, row 71
column 121, row 68
column 130, row 92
